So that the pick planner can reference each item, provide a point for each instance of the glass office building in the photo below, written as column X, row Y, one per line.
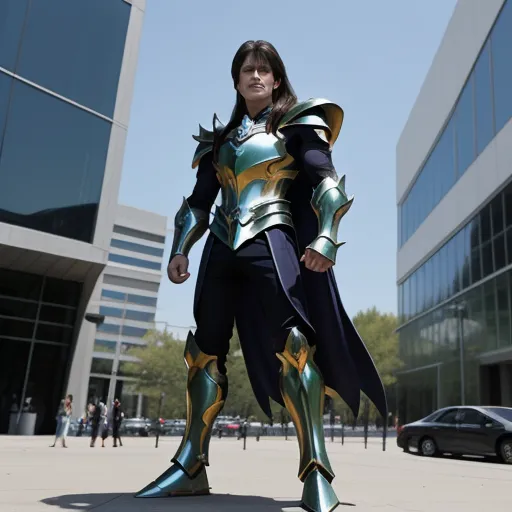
column 455, row 221
column 63, row 64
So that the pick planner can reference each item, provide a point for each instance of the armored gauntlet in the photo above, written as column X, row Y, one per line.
column 330, row 203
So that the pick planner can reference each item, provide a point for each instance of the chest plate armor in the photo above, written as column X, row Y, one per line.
column 255, row 172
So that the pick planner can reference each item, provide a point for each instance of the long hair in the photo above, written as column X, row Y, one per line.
column 283, row 98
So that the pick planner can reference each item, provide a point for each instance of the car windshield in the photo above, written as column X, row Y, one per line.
column 431, row 417
column 501, row 411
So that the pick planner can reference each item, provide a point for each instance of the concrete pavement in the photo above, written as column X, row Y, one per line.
column 34, row 478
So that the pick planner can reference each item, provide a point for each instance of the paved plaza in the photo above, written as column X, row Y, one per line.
column 35, row 478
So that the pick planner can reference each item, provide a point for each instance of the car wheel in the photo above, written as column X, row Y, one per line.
column 428, row 447
column 506, row 451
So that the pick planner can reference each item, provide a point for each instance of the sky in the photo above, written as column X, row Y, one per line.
column 369, row 56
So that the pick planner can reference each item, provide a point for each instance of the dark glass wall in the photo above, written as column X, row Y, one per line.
column 52, row 163
column 483, row 108
column 71, row 47
column 37, row 319
column 52, row 152
column 479, row 321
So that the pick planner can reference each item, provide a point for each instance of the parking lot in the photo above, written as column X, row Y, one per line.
column 34, row 477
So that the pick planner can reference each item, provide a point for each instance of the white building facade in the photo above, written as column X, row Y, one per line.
column 126, row 296
column 454, row 197
column 67, row 71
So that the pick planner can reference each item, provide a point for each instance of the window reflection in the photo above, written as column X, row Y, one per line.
column 137, row 262
column 490, row 315
column 509, row 246
column 109, row 328
column 108, row 311
column 501, row 40
column 503, row 305
column 498, row 249
column 141, row 316
column 101, row 365
column 68, row 164
column 131, row 246
column 497, row 215
column 434, row 339
column 12, row 17
column 5, row 89
column 104, row 346
column 67, row 60
column 113, row 295
column 483, row 100
column 138, row 332
column 487, row 263
column 465, row 129
column 507, row 199
column 460, row 262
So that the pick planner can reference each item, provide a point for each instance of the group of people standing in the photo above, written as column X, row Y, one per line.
column 97, row 416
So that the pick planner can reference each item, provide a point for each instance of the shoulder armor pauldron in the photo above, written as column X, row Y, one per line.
column 320, row 114
column 206, row 140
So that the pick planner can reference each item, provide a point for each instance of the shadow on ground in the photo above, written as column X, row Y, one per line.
column 213, row 503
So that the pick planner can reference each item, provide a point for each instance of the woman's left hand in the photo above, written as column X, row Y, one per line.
column 315, row 261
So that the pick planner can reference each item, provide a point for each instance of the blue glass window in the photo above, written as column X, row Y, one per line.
column 483, row 100
column 60, row 150
column 132, row 298
column 110, row 328
column 104, row 346
column 136, row 262
column 5, row 89
column 465, row 116
column 128, row 330
column 141, row 300
column 131, row 246
column 501, row 47
column 112, row 295
column 114, row 312
column 141, row 316
column 12, row 17
column 445, row 153
column 75, row 49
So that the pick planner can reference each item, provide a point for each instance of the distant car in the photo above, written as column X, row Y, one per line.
column 136, row 427
column 482, row 431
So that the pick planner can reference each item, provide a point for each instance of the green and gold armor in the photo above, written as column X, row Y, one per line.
column 206, row 393
column 303, row 391
column 255, row 172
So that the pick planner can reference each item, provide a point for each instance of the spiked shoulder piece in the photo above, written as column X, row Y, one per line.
column 321, row 114
column 206, row 140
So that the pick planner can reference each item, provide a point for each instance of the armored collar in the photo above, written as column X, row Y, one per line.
column 249, row 127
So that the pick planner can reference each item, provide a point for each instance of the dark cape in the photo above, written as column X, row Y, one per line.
column 340, row 354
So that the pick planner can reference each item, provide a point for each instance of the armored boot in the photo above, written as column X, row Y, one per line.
column 303, row 391
column 206, row 394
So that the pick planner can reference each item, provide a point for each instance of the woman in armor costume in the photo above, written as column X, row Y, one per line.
column 267, row 264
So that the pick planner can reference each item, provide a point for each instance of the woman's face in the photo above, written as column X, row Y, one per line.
column 256, row 82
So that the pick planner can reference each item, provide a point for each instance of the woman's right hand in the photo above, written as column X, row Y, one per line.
column 177, row 270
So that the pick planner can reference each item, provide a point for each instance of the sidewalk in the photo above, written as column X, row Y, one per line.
column 35, row 478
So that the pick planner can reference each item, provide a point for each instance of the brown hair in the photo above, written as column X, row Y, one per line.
column 283, row 98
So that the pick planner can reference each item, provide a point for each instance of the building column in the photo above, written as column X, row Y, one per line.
column 506, row 384
column 139, row 405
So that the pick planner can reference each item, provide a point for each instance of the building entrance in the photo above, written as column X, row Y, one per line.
column 37, row 319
